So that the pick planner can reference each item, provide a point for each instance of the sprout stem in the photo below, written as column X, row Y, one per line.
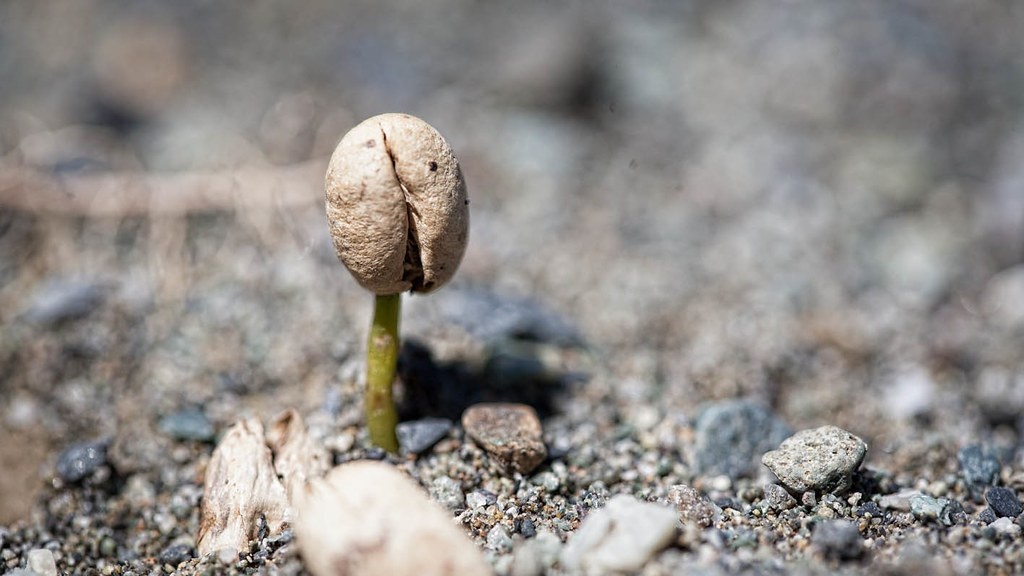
column 381, row 362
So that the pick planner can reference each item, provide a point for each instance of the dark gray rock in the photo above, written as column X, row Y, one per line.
column 731, row 436
column 838, row 539
column 979, row 468
column 188, row 424
column 418, row 436
column 65, row 299
column 821, row 460
column 1003, row 502
column 527, row 528
column 79, row 461
column 176, row 554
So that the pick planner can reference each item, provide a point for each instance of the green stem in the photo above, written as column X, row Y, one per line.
column 381, row 363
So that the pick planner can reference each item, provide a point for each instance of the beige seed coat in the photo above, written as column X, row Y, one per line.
column 397, row 205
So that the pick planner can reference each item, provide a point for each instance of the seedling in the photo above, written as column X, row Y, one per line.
column 399, row 218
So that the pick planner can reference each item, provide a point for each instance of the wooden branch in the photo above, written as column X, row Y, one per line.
column 119, row 194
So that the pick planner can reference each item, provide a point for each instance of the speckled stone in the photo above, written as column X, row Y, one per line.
column 448, row 493
column 777, row 498
column 1003, row 502
column 821, row 460
column 509, row 433
column 693, row 506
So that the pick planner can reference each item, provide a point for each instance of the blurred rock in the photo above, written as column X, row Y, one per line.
column 79, row 461
column 188, row 424
column 620, row 537
column 371, row 519
column 63, row 299
column 979, row 468
column 418, row 436
column 731, row 437
column 838, row 539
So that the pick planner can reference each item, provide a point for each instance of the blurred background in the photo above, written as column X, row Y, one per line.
column 816, row 204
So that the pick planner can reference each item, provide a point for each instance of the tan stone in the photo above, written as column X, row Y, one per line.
column 366, row 518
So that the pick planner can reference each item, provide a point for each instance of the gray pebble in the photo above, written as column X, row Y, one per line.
column 498, row 539
column 979, row 467
column 693, row 506
column 480, row 499
column 79, row 461
column 418, row 436
column 731, row 436
column 188, row 424
column 821, row 460
column 527, row 528
column 509, row 433
column 448, row 493
column 838, row 539
column 64, row 299
column 987, row 516
column 942, row 510
column 777, row 498
column 1003, row 502
column 176, row 554
column 537, row 555
column 549, row 481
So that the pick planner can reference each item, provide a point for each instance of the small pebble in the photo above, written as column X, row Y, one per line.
column 987, row 516
column 869, row 508
column 819, row 460
column 730, row 437
column 942, row 510
column 1003, row 502
column 527, row 528
column 777, row 498
column 79, row 461
column 448, row 493
column 1006, row 526
column 548, row 481
column 693, row 506
column 537, row 555
column 621, row 537
column 899, row 501
column 176, row 554
column 418, row 436
column 41, row 562
column 64, row 299
column 979, row 467
column 838, row 539
column 498, row 539
column 188, row 424
column 481, row 499
column 510, row 433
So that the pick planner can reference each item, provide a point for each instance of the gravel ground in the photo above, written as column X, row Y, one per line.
column 697, row 229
